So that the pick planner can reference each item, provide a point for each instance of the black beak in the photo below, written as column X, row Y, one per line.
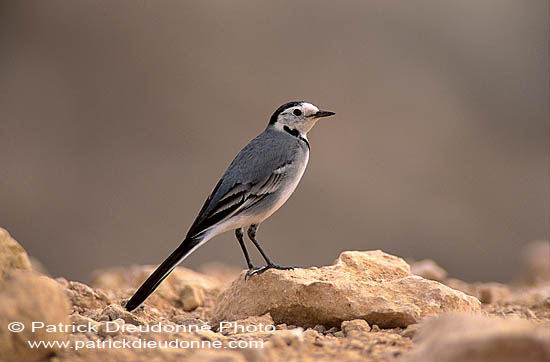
column 320, row 114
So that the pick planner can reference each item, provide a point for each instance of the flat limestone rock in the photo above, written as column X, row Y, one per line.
column 370, row 285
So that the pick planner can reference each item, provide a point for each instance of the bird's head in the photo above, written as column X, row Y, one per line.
column 300, row 116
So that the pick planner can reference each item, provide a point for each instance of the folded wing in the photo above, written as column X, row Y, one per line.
column 220, row 206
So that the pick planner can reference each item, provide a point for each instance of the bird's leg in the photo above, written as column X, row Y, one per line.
column 251, row 268
column 252, row 235
column 239, row 234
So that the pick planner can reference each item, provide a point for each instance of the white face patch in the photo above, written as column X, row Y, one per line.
column 298, row 118
column 308, row 109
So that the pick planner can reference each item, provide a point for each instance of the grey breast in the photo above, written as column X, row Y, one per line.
column 251, row 183
column 257, row 161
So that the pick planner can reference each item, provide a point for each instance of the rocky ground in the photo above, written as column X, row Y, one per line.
column 368, row 305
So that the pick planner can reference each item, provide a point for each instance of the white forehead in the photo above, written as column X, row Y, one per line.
column 309, row 108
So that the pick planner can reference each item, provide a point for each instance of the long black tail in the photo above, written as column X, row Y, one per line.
column 154, row 280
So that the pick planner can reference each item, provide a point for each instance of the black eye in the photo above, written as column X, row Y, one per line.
column 297, row 112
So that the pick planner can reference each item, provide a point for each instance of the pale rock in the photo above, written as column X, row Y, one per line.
column 492, row 292
column 84, row 298
column 462, row 286
column 12, row 255
column 115, row 311
column 458, row 338
column 28, row 297
column 191, row 297
column 410, row 332
column 254, row 354
column 89, row 325
column 208, row 335
column 428, row 269
column 253, row 324
column 186, row 321
column 183, row 289
column 355, row 328
column 370, row 285
column 333, row 330
column 214, row 355
column 112, row 329
column 536, row 262
column 535, row 296
column 320, row 328
column 287, row 337
column 311, row 336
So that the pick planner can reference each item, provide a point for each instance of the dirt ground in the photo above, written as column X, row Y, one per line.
column 512, row 322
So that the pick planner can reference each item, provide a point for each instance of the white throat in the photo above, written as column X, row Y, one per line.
column 281, row 127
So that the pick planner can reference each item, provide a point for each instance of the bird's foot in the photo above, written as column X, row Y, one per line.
column 251, row 271
column 259, row 270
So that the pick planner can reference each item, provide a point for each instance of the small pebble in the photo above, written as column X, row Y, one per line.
column 320, row 328
column 332, row 330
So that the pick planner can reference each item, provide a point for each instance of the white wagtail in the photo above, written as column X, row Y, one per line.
column 257, row 183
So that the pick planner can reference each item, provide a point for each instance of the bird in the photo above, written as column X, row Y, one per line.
column 259, row 180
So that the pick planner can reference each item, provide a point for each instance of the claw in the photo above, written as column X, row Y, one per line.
column 251, row 272
column 259, row 270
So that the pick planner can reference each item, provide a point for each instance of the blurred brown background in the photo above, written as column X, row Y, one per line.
column 117, row 119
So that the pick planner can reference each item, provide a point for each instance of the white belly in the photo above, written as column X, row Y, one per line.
column 287, row 189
